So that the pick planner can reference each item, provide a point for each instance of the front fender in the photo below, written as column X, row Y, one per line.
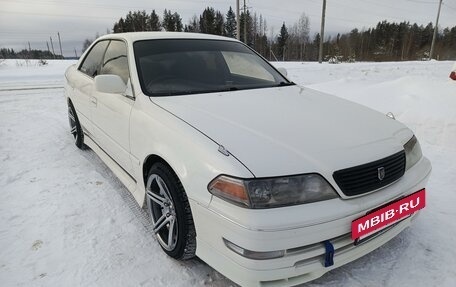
column 193, row 156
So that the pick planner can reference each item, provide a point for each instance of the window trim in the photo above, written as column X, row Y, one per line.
column 131, row 97
column 90, row 50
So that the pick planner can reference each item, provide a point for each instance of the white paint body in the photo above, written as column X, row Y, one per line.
column 269, row 132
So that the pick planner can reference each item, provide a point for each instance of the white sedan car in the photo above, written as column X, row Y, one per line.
column 270, row 183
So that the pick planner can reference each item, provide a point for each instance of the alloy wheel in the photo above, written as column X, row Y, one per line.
column 73, row 126
column 162, row 211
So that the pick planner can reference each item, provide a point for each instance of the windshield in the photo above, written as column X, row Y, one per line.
column 185, row 66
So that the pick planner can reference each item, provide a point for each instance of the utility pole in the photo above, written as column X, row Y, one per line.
column 436, row 29
column 60, row 44
column 322, row 32
column 75, row 54
column 47, row 44
column 52, row 46
column 238, row 21
column 30, row 49
column 245, row 23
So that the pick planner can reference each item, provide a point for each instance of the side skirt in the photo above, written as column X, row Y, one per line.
column 122, row 175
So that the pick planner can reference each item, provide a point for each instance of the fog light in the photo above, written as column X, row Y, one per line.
column 255, row 255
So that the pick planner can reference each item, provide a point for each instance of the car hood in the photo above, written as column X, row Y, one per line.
column 290, row 130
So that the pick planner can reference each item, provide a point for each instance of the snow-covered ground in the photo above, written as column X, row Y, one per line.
column 24, row 74
column 66, row 220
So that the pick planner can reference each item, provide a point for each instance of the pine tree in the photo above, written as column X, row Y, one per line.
column 230, row 24
column 219, row 24
column 119, row 27
column 178, row 26
column 154, row 22
column 168, row 22
column 248, row 39
column 211, row 22
column 207, row 21
column 193, row 25
column 129, row 25
column 282, row 40
column 140, row 21
column 172, row 22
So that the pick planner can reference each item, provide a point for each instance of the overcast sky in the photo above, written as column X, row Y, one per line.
column 36, row 20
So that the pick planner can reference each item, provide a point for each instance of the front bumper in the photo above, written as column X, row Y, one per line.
column 300, row 230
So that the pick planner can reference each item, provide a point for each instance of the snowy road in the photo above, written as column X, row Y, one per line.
column 66, row 220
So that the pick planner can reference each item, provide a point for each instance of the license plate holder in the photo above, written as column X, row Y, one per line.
column 385, row 217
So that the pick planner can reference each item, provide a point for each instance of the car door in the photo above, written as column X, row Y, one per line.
column 111, row 116
column 84, row 85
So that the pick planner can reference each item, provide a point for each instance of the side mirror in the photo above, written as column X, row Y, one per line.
column 111, row 84
column 283, row 71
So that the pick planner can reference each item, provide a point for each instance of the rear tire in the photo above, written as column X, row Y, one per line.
column 168, row 206
column 75, row 127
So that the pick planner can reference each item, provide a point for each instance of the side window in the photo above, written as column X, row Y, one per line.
column 91, row 64
column 115, row 60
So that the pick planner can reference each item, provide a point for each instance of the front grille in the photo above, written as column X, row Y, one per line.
column 364, row 178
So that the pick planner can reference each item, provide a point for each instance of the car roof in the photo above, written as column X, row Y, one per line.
column 138, row 36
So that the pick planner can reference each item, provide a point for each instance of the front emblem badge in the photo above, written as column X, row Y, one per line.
column 381, row 173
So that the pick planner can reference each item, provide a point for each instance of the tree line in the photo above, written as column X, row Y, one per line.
column 393, row 42
column 387, row 41
column 6, row 53
column 211, row 21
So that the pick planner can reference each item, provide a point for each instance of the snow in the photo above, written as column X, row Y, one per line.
column 66, row 220
column 29, row 73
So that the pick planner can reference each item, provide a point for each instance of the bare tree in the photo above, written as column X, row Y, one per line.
column 303, row 31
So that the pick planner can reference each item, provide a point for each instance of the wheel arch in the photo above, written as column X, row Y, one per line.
column 148, row 162
column 151, row 160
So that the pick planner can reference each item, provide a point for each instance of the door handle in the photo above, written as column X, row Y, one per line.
column 93, row 100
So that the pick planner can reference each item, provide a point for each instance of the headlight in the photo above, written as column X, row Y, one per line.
column 272, row 192
column 412, row 152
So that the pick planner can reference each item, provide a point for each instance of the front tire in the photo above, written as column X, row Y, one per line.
column 168, row 206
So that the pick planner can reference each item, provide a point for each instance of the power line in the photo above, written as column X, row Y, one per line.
column 35, row 34
column 106, row 6
column 448, row 6
column 422, row 2
column 146, row 7
column 368, row 12
column 54, row 15
column 381, row 4
column 118, row 7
